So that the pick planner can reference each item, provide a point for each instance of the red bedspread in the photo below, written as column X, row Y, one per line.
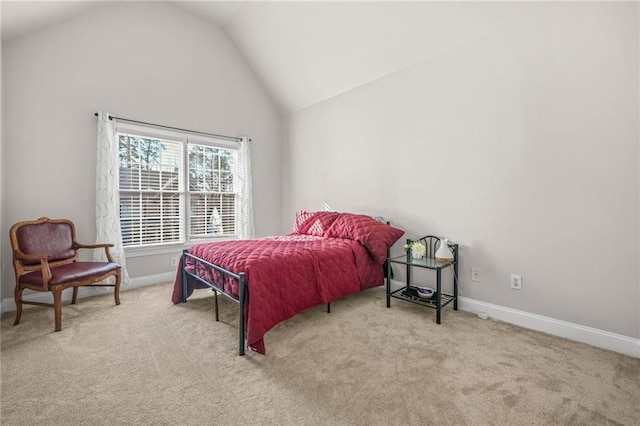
column 285, row 275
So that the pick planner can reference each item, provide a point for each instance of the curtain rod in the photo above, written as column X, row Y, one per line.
column 229, row 138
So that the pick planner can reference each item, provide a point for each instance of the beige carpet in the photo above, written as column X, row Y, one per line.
column 150, row 362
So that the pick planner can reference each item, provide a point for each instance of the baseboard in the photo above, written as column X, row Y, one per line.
column 9, row 305
column 592, row 336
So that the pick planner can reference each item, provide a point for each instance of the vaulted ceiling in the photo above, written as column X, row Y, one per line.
column 307, row 52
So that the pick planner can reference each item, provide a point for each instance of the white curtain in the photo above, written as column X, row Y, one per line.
column 107, row 195
column 245, row 192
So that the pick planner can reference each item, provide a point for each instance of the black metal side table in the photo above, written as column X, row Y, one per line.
column 439, row 299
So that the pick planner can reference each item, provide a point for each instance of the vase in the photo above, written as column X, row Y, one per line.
column 444, row 253
column 416, row 255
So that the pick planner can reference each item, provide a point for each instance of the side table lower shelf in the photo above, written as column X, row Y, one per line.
column 445, row 299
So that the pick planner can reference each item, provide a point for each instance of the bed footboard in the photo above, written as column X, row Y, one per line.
column 242, row 291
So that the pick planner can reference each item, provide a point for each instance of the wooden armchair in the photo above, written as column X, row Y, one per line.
column 45, row 259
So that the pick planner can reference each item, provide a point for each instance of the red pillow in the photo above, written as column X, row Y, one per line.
column 376, row 236
column 313, row 223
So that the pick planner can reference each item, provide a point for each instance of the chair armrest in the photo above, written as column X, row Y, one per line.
column 25, row 256
column 77, row 245
column 91, row 246
column 44, row 266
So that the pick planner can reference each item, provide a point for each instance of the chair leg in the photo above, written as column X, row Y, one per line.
column 116, row 291
column 17, row 296
column 57, row 306
column 75, row 296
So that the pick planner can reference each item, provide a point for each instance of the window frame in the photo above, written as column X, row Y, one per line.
column 184, row 138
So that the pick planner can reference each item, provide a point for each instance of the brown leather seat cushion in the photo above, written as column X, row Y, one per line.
column 71, row 272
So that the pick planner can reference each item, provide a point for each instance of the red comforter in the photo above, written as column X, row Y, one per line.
column 285, row 275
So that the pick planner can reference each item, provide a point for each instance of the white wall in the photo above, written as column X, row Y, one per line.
column 146, row 61
column 522, row 147
column 2, row 177
column 637, row 13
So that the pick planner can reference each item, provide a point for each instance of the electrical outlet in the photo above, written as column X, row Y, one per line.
column 516, row 282
column 174, row 261
column 475, row 274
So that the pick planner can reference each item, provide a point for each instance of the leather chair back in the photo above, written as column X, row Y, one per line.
column 53, row 238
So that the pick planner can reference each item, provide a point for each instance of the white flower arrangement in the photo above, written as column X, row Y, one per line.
column 418, row 249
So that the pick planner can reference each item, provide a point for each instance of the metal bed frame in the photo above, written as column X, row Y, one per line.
column 242, row 292
column 242, row 289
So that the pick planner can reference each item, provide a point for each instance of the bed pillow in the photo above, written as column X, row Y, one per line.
column 376, row 236
column 313, row 223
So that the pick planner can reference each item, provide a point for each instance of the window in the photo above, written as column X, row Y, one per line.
column 212, row 198
column 174, row 189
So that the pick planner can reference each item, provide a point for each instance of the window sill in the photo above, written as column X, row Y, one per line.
column 169, row 248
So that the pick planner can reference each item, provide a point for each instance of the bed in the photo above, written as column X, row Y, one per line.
column 327, row 255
